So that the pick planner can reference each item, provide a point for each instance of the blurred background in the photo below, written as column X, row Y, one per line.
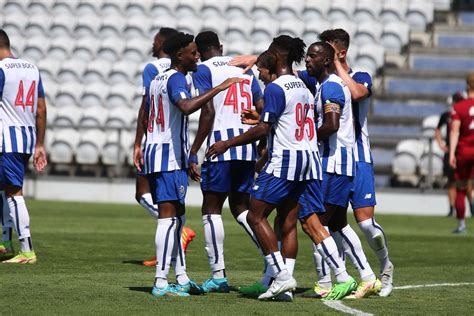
column 91, row 55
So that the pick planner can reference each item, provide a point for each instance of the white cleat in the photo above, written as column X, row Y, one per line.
column 386, row 277
column 277, row 287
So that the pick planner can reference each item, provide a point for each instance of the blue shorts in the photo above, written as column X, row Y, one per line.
column 273, row 190
column 363, row 188
column 336, row 189
column 228, row 176
column 12, row 168
column 168, row 186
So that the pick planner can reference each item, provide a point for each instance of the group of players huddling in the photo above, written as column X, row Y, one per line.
column 306, row 137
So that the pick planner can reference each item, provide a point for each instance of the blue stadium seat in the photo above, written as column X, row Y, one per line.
column 424, row 86
column 393, row 130
column 454, row 40
column 406, row 109
column 466, row 17
column 382, row 156
column 434, row 62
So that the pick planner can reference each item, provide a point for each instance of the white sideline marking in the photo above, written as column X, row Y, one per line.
column 406, row 287
column 338, row 305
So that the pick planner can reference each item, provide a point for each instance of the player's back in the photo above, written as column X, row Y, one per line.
column 464, row 111
column 292, row 145
column 228, row 104
column 20, row 88
column 337, row 150
column 167, row 132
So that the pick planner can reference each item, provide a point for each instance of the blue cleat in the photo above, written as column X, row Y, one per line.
column 191, row 287
column 170, row 290
column 216, row 285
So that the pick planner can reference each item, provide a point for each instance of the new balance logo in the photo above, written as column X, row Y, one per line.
column 368, row 196
column 255, row 187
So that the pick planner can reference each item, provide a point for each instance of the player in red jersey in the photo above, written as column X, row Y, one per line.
column 461, row 149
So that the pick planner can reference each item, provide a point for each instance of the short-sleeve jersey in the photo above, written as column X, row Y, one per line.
column 20, row 88
column 292, row 143
column 167, row 143
column 228, row 104
column 464, row 112
column 337, row 150
column 360, row 110
column 151, row 70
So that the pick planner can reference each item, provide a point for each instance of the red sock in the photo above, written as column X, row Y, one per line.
column 460, row 203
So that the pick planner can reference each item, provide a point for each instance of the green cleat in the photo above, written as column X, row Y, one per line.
column 6, row 250
column 366, row 289
column 317, row 292
column 253, row 290
column 27, row 257
column 340, row 290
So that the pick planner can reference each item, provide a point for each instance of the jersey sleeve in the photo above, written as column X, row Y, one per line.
column 202, row 79
column 275, row 101
column 455, row 114
column 40, row 88
column 178, row 88
column 2, row 82
column 309, row 81
column 149, row 73
column 331, row 92
column 257, row 93
column 365, row 79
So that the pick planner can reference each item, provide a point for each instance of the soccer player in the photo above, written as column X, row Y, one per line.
column 23, row 115
column 336, row 133
column 293, row 170
column 363, row 191
column 461, row 150
column 142, row 190
column 231, row 174
column 166, row 154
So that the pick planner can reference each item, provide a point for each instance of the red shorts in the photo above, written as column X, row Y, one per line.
column 464, row 167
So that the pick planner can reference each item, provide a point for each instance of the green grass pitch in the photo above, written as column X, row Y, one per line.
column 88, row 258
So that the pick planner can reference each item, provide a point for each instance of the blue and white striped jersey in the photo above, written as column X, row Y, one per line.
column 292, row 144
column 152, row 70
column 360, row 110
column 337, row 150
column 167, row 143
column 20, row 88
column 228, row 104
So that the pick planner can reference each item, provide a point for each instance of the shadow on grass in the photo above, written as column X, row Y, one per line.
column 137, row 262
column 146, row 289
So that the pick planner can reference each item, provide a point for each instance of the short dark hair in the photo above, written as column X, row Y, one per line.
column 336, row 36
column 4, row 40
column 327, row 49
column 207, row 40
column 167, row 32
column 267, row 60
column 173, row 44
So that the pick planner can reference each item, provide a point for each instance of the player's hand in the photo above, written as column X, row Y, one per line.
column 193, row 172
column 217, row 148
column 228, row 82
column 244, row 60
column 444, row 148
column 138, row 157
column 39, row 158
column 249, row 117
column 452, row 161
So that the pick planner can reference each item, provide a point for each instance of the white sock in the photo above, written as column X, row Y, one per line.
column 178, row 258
column 328, row 250
column 242, row 220
column 147, row 202
column 267, row 276
column 461, row 223
column 164, row 240
column 376, row 238
column 277, row 265
column 353, row 249
column 214, row 238
column 7, row 222
column 290, row 265
column 21, row 221
column 323, row 271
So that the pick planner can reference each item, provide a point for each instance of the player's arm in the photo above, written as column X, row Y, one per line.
column 206, row 120
column 39, row 158
column 359, row 91
column 246, row 61
column 438, row 137
column 333, row 99
column 453, row 140
column 140, row 131
column 191, row 105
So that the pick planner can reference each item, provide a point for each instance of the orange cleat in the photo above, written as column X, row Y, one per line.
column 186, row 237
column 150, row 263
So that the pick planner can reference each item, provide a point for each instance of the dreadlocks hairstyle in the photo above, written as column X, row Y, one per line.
column 294, row 47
